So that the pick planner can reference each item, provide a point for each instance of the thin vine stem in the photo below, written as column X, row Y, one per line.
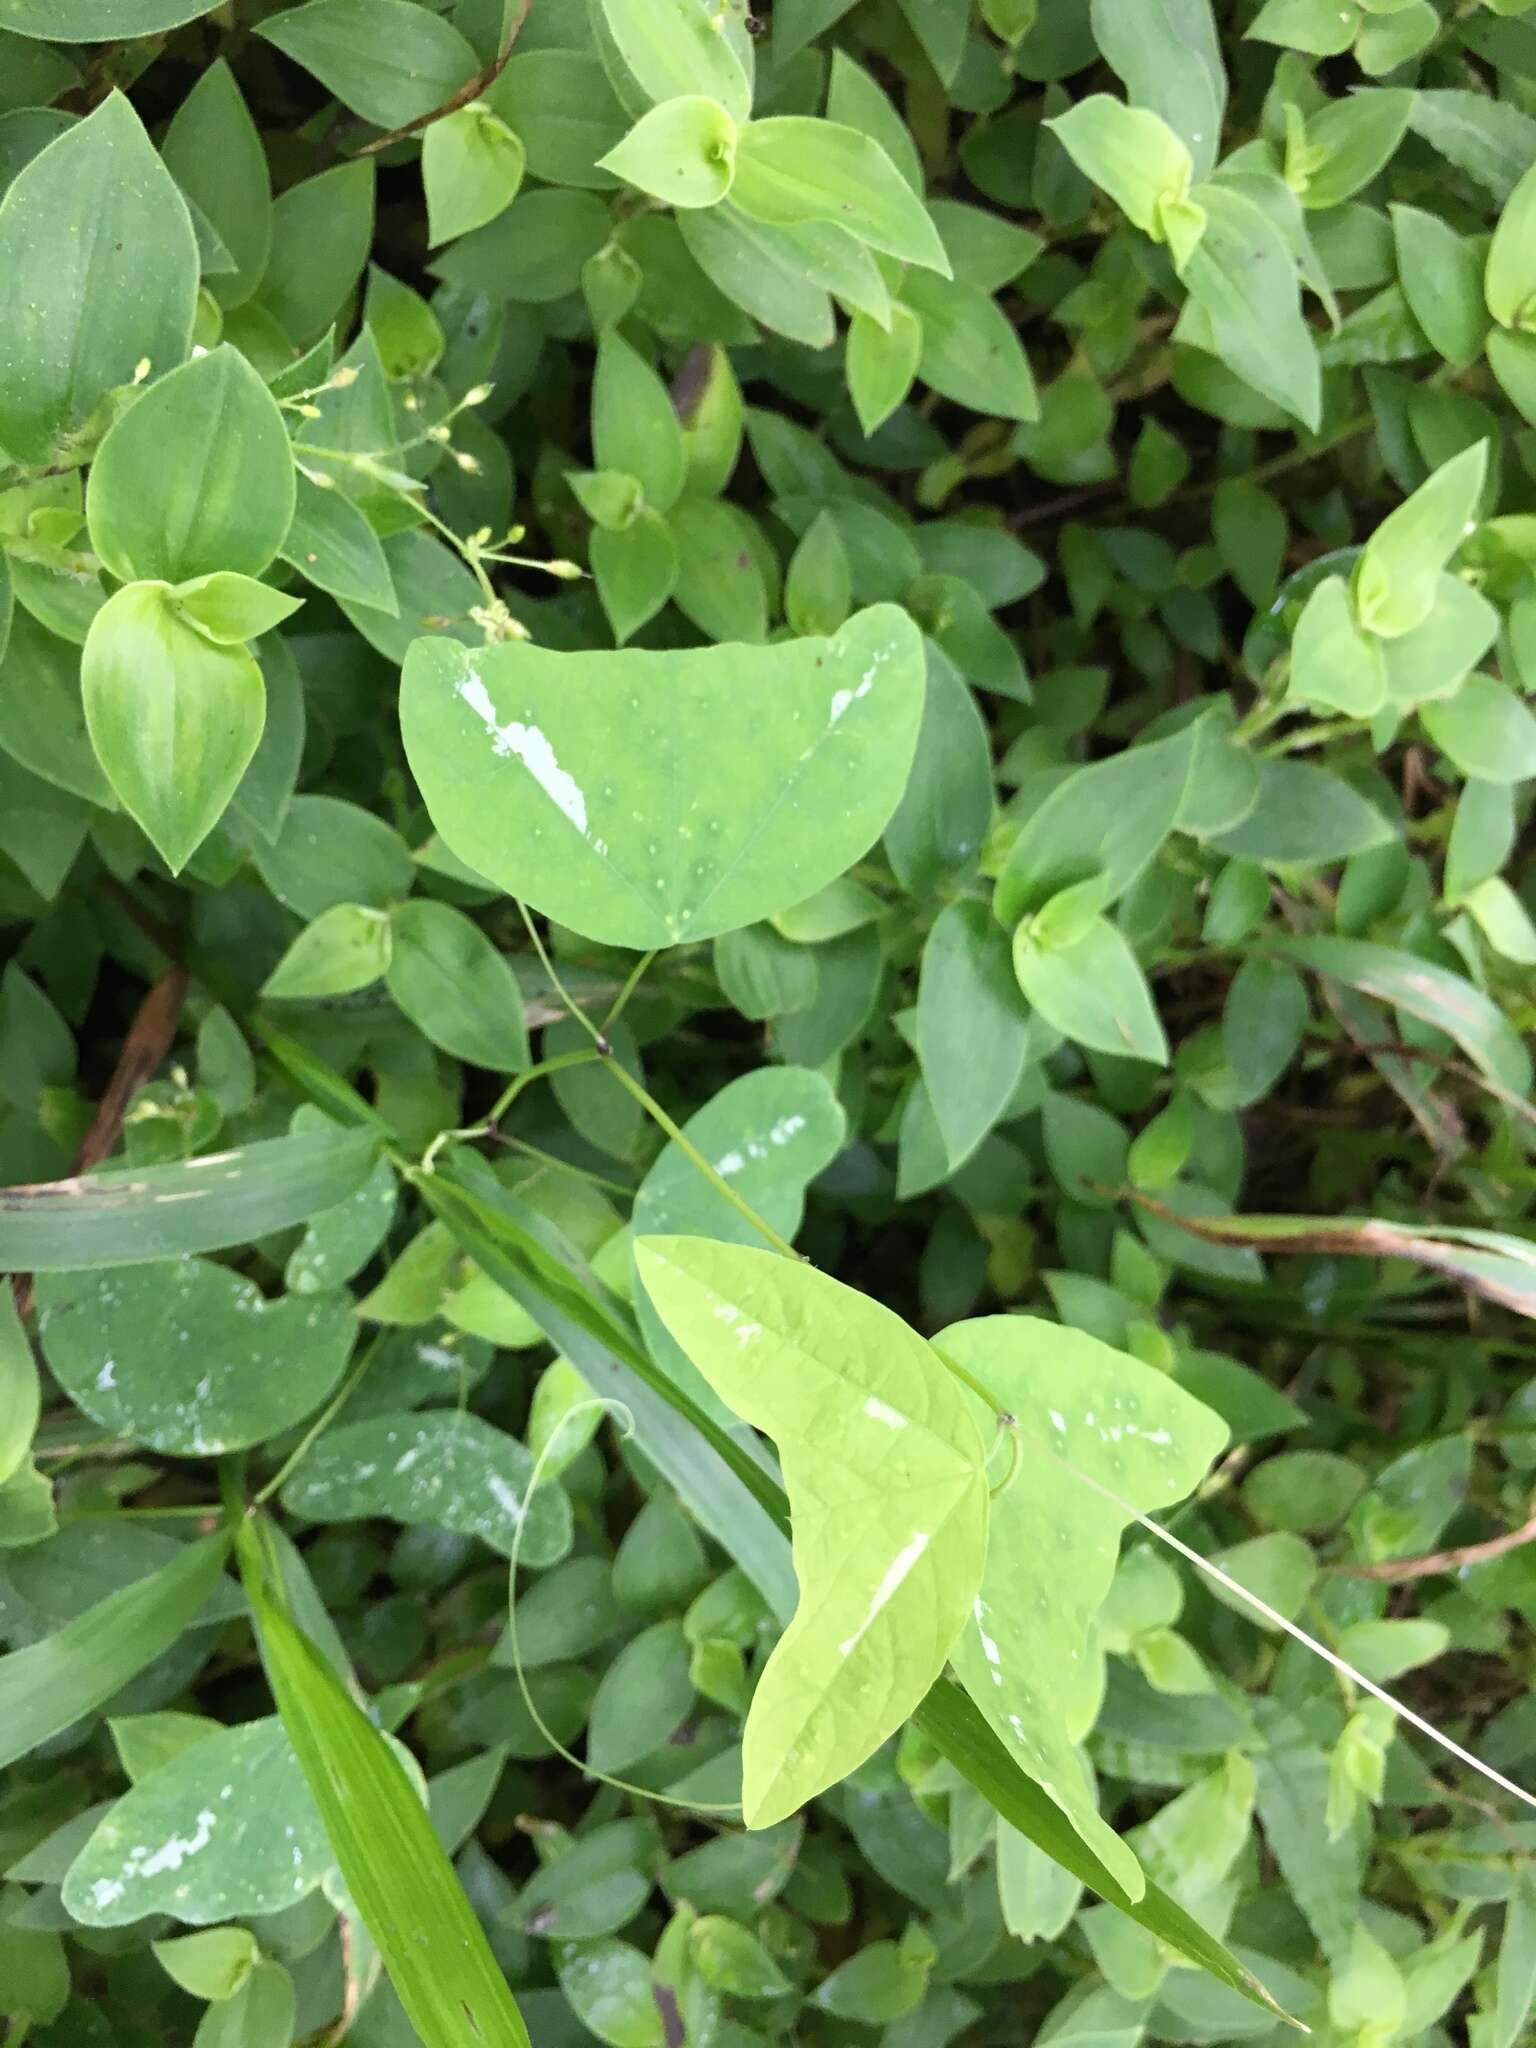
column 620, row 1415
column 652, row 1107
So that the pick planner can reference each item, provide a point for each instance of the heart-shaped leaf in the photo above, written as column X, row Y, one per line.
column 887, row 1489
column 227, row 1827
column 774, row 768
column 1078, row 1407
column 188, row 1357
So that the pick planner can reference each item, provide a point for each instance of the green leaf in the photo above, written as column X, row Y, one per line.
column 189, row 1358
column 1398, row 571
column 1421, row 989
column 321, row 232
column 225, row 1826
column 395, row 1870
column 720, row 584
column 472, row 167
column 1509, row 281
column 173, row 718
column 882, row 360
column 230, row 609
column 886, row 1480
column 1243, row 282
column 1441, row 273
column 674, row 49
column 792, row 169
column 634, row 428
column 1491, row 140
column 128, row 1215
column 1349, row 141
column 1133, row 154
column 1333, row 662
column 93, row 21
column 195, row 476
column 635, row 569
column 449, row 1470
column 733, row 1960
column 20, row 1395
column 761, row 269
column 210, row 1966
column 970, row 351
column 938, row 830
column 1107, row 819
column 1306, row 815
column 1167, row 55
column 1092, row 990
column 261, row 2014
column 53, row 1683
column 213, row 151
column 768, row 1134
column 391, row 61
column 346, row 948
column 717, row 744
column 1087, row 1418
column 1486, row 730
column 972, row 1026
column 98, row 274
column 455, row 987
column 333, row 546
column 682, row 152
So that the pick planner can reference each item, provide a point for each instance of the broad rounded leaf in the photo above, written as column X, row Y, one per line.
column 450, row 1470
column 773, row 767
column 190, row 1358
column 227, row 1827
column 196, row 477
column 888, row 1500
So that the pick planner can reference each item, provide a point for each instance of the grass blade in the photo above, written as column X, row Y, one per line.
column 401, row 1882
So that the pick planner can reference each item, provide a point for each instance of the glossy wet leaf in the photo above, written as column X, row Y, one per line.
column 1088, row 1418
column 552, row 790
column 449, row 1470
column 189, row 1358
column 887, row 1493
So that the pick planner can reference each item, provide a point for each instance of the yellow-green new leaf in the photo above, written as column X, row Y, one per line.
column 401, row 1882
column 1129, row 151
column 1509, row 282
column 1397, row 575
column 1079, row 1407
column 886, row 1478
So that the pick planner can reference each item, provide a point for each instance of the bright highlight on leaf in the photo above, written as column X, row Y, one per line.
column 551, row 773
column 886, row 1478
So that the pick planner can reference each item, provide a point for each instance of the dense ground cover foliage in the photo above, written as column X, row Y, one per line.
column 764, row 1069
